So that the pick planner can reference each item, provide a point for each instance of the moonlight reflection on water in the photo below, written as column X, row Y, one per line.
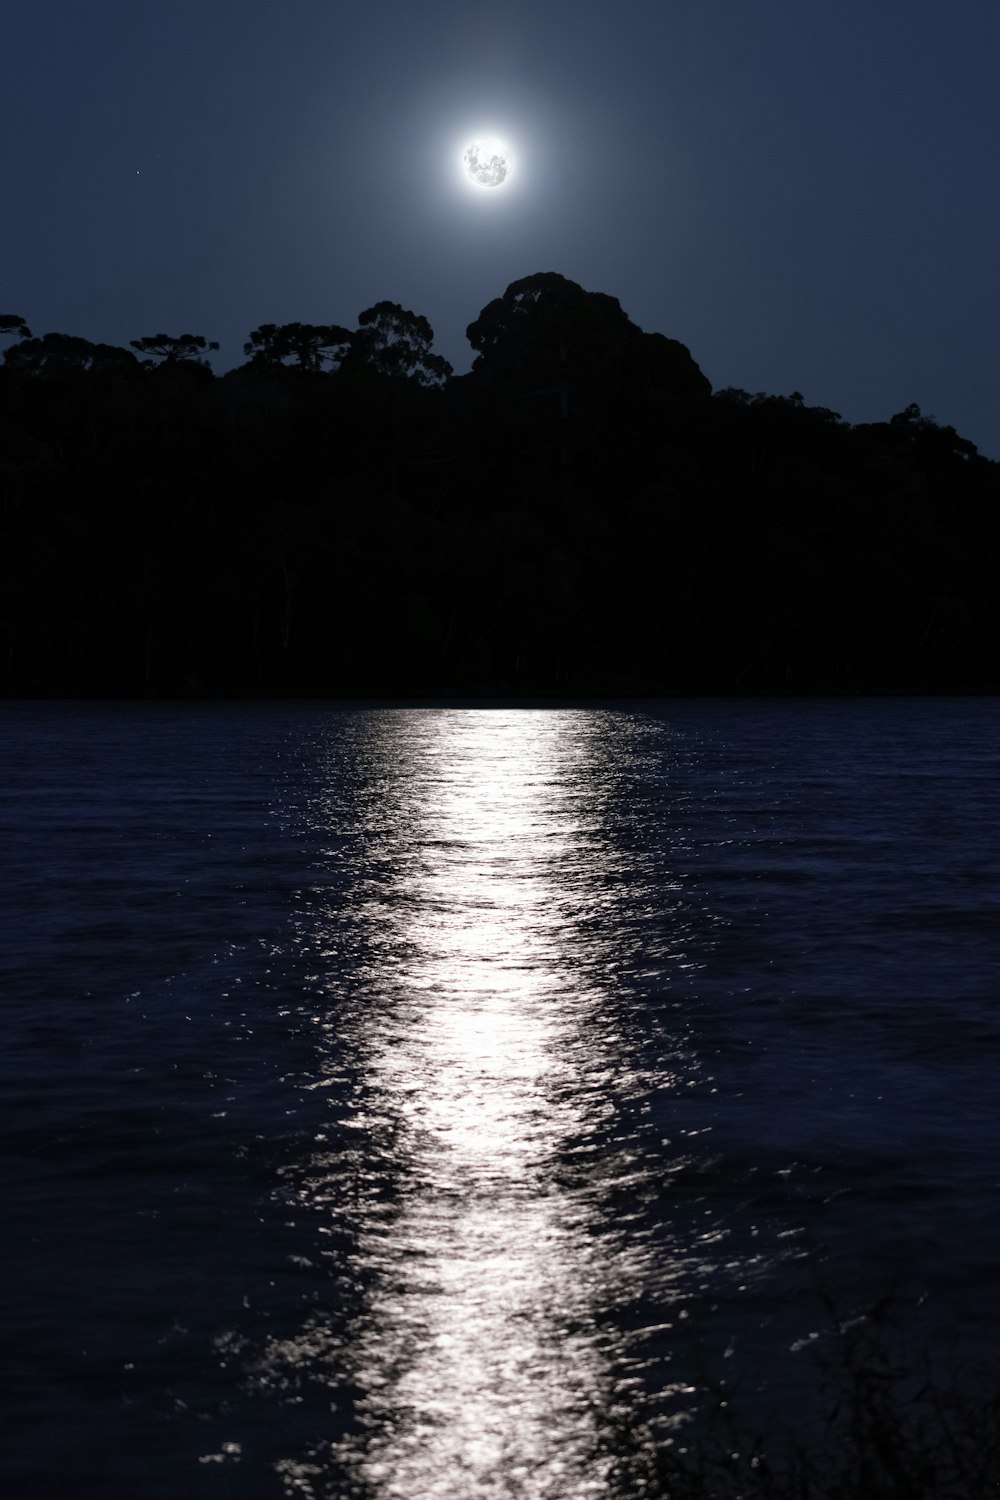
column 459, row 1098
column 492, row 1065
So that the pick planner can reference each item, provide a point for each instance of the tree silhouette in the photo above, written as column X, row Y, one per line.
column 543, row 324
column 547, row 331
column 932, row 437
column 910, row 416
column 397, row 343
column 63, row 354
column 186, row 349
column 12, row 325
column 574, row 516
column 307, row 345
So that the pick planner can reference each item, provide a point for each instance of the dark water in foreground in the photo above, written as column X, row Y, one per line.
column 394, row 1100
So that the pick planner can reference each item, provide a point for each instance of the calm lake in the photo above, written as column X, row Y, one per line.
column 398, row 1101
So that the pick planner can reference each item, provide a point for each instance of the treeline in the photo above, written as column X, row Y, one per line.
column 341, row 515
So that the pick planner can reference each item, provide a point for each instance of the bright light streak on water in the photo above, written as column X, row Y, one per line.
column 494, row 1055
column 441, row 1103
column 475, row 1386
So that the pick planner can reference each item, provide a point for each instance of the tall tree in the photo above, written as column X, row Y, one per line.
column 310, row 346
column 547, row 331
column 12, row 325
column 185, row 349
column 544, row 323
column 397, row 343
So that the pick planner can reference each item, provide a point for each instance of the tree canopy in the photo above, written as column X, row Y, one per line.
column 578, row 514
column 56, row 354
column 310, row 346
column 187, row 348
column 547, row 329
column 13, row 325
column 393, row 342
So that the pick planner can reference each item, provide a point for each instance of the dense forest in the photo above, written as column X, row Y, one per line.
column 580, row 514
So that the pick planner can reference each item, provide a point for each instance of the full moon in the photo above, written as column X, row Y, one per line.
column 488, row 162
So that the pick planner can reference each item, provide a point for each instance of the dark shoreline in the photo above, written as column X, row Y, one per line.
column 580, row 516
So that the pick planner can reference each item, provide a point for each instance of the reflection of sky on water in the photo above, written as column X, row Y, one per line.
column 491, row 1148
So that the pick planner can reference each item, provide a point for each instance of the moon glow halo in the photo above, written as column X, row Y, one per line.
column 487, row 162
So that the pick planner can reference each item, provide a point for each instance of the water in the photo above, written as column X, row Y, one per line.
column 404, row 1103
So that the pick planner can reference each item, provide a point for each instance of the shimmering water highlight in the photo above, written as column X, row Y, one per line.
column 430, row 1101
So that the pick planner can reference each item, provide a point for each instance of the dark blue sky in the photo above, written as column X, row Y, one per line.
column 804, row 194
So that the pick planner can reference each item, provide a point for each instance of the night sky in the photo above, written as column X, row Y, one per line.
column 804, row 194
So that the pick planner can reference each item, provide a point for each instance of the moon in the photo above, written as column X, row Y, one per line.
column 488, row 162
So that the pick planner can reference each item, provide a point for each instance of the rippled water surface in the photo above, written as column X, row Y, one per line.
column 429, row 1102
